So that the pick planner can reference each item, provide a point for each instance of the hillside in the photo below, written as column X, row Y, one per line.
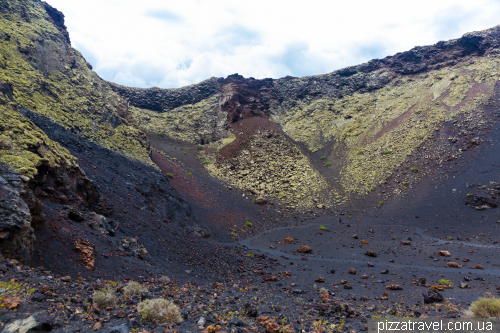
column 276, row 204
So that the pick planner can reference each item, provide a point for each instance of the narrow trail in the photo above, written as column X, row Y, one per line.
column 246, row 243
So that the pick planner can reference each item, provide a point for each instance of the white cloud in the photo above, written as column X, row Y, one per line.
column 175, row 43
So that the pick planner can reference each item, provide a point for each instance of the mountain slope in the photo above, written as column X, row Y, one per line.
column 366, row 120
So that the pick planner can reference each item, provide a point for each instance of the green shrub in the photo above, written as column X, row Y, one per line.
column 388, row 152
column 16, row 289
column 249, row 255
column 323, row 157
column 414, row 169
column 322, row 227
column 249, row 224
column 445, row 282
column 359, row 152
column 217, row 151
column 169, row 175
column 468, row 194
column 405, row 183
column 185, row 153
column 327, row 164
column 486, row 307
column 449, row 238
column 323, row 291
column 381, row 203
column 205, row 162
column 105, row 297
column 134, row 289
column 406, row 167
column 159, row 309
column 190, row 174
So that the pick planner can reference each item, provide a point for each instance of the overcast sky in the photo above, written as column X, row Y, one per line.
column 169, row 44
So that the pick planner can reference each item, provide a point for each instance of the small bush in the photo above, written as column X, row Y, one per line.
column 205, row 162
column 405, row 183
column 323, row 291
column 327, row 164
column 249, row 224
column 322, row 227
column 105, row 297
column 323, row 157
column 388, row 152
column 381, row 203
column 185, row 153
column 414, row 169
column 169, row 175
column 190, row 174
column 445, row 282
column 217, row 151
column 449, row 238
column 486, row 308
column 359, row 152
column 468, row 194
column 159, row 309
column 134, row 289
column 250, row 255
column 406, row 167
column 165, row 279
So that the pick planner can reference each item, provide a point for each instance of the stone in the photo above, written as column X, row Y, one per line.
column 453, row 264
column 86, row 252
column 463, row 285
column 130, row 245
column 405, row 243
column 432, row 296
column 370, row 253
column 422, row 281
column 320, row 280
column 479, row 266
column 324, row 297
column 288, row 240
column 352, row 271
column 304, row 249
column 250, row 311
column 364, row 276
column 66, row 278
column 347, row 286
column 443, row 253
column 394, row 287
column 260, row 201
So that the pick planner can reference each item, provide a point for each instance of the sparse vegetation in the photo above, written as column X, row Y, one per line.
column 381, row 203
column 388, row 152
column 414, row 169
column 360, row 152
column 161, row 310
column 16, row 289
column 205, row 162
column 323, row 157
column 323, row 291
column 217, row 151
column 449, row 238
column 486, row 307
column 322, row 227
column 445, row 282
column 134, row 289
column 165, row 279
column 328, row 164
column 198, row 147
column 105, row 297
column 468, row 194
column 249, row 224
column 190, row 174
column 406, row 167
column 249, row 255
column 169, row 175
column 405, row 183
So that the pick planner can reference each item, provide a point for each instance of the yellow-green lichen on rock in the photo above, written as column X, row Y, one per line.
column 202, row 122
column 272, row 166
column 397, row 118
column 24, row 147
column 52, row 79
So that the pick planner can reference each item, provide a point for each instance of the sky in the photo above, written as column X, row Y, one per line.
column 172, row 43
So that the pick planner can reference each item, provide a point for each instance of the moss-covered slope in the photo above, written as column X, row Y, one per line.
column 51, row 78
column 369, row 118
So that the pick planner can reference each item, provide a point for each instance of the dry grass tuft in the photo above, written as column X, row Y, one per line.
column 486, row 307
column 134, row 289
column 159, row 309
